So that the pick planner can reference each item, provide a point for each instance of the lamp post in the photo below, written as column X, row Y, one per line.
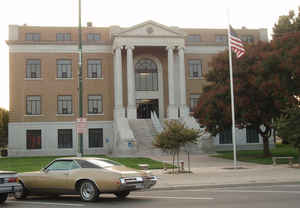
column 80, row 134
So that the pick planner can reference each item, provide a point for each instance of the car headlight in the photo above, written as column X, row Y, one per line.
column 139, row 179
column 122, row 180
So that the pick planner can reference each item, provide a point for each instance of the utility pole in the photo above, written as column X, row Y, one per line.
column 80, row 133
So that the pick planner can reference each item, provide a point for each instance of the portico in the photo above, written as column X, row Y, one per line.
column 149, row 34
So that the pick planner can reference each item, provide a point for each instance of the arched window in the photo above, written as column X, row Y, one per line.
column 146, row 76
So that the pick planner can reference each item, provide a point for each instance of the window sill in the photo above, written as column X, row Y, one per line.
column 95, row 148
column 100, row 78
column 196, row 78
column 29, row 79
column 64, row 78
column 65, row 114
column 96, row 114
column 29, row 115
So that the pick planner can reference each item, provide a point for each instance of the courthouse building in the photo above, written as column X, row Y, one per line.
column 133, row 79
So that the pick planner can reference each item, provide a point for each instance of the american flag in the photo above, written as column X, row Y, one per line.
column 236, row 43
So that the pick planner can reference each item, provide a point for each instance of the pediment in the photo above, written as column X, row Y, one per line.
column 150, row 28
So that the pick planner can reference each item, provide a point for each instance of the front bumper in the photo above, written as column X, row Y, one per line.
column 146, row 183
column 12, row 188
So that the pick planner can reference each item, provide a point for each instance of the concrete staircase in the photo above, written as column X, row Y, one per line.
column 144, row 133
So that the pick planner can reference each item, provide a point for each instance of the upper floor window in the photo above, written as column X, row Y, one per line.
column 226, row 136
column 63, row 36
column 93, row 37
column 194, row 100
column 247, row 38
column 194, row 38
column 146, row 76
column 94, row 69
column 252, row 135
column 33, row 36
column 221, row 38
column 94, row 104
column 195, row 68
column 33, row 105
column 64, row 68
column 33, row 69
column 64, row 104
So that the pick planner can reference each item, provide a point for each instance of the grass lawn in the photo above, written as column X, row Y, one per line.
column 25, row 164
column 256, row 156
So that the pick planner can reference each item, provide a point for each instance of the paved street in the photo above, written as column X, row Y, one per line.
column 275, row 196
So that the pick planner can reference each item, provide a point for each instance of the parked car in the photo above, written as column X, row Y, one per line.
column 8, row 184
column 85, row 176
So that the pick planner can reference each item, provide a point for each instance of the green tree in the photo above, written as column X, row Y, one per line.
column 288, row 127
column 174, row 137
column 264, row 84
column 287, row 24
column 3, row 126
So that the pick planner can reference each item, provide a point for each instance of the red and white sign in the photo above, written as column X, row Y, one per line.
column 81, row 125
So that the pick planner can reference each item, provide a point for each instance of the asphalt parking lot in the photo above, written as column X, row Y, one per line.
column 275, row 196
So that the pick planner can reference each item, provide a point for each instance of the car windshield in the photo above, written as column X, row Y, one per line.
column 103, row 163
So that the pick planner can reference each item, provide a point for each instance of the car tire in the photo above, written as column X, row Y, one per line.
column 21, row 194
column 3, row 197
column 122, row 194
column 88, row 191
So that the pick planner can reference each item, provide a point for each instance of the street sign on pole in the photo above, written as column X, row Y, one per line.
column 81, row 125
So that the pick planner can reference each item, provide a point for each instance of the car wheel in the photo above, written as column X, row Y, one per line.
column 3, row 197
column 122, row 194
column 88, row 191
column 22, row 194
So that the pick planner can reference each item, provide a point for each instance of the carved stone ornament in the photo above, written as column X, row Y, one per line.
column 149, row 30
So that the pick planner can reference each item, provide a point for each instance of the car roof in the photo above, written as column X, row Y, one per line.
column 81, row 158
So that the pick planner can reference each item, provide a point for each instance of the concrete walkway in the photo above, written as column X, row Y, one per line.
column 216, row 172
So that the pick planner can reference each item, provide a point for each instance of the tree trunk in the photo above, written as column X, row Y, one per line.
column 178, row 165
column 267, row 152
column 173, row 164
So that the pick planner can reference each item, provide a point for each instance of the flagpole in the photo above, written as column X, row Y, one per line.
column 232, row 95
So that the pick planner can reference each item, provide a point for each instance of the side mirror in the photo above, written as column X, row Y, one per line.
column 44, row 170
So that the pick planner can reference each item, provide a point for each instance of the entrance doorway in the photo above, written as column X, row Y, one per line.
column 144, row 108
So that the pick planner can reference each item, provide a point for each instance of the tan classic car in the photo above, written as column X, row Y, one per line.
column 85, row 176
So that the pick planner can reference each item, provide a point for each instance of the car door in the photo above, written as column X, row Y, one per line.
column 53, row 179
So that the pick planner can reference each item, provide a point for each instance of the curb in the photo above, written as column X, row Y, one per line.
column 185, row 187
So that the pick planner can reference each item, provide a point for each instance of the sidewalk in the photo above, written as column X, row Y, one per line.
column 216, row 172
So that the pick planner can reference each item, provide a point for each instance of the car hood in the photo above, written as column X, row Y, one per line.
column 34, row 173
column 7, row 172
column 126, row 172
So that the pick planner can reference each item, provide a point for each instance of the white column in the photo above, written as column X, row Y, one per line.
column 131, row 108
column 184, row 110
column 172, row 109
column 119, row 110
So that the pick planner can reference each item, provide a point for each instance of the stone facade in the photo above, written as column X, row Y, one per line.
column 118, row 50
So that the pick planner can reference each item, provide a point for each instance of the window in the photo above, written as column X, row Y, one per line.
column 194, row 38
column 33, row 69
column 226, row 137
column 33, row 105
column 252, row 135
column 93, row 36
column 65, row 138
column 221, row 38
column 64, row 68
column 94, row 104
column 195, row 68
column 94, row 69
column 32, row 36
column 34, row 139
column 95, row 138
column 64, row 104
column 62, row 165
column 63, row 36
column 146, row 76
column 194, row 100
column 247, row 38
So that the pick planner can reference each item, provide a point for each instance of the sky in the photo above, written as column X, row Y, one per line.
column 125, row 13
